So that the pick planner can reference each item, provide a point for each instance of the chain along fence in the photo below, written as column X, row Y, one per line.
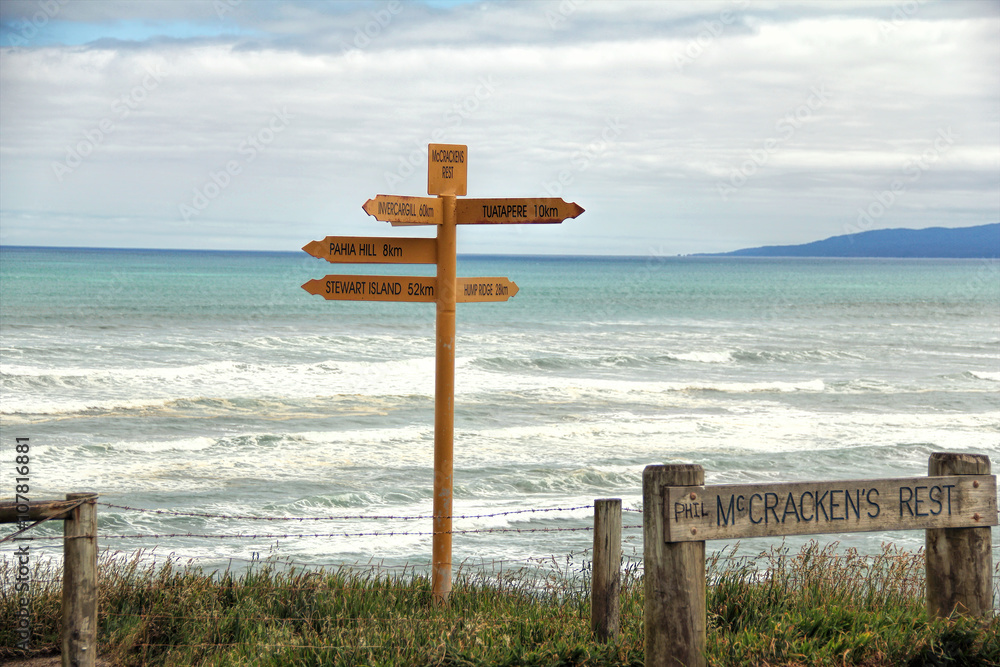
column 575, row 576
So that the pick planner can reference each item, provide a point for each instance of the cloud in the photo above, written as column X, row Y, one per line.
column 734, row 123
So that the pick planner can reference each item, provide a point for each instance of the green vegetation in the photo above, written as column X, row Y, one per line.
column 813, row 607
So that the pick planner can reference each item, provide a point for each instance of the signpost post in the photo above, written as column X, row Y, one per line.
column 447, row 178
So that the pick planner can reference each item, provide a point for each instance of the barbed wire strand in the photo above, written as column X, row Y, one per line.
column 273, row 536
column 345, row 517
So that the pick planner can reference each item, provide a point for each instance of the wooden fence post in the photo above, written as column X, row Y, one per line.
column 606, row 583
column 959, row 560
column 79, row 603
column 675, row 615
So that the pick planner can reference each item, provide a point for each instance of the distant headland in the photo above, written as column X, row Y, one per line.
column 960, row 242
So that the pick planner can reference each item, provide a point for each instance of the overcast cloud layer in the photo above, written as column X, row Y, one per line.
column 679, row 127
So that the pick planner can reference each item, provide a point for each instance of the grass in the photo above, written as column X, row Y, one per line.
column 813, row 607
column 820, row 607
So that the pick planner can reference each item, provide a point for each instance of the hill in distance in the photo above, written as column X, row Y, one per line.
column 960, row 242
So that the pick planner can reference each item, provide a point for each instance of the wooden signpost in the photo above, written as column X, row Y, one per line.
column 956, row 504
column 447, row 178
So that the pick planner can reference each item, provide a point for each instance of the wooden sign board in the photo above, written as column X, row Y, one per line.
column 402, row 210
column 737, row 511
column 407, row 288
column 447, row 169
column 373, row 250
column 484, row 289
column 374, row 288
column 514, row 210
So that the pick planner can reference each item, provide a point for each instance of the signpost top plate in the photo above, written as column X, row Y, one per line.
column 447, row 169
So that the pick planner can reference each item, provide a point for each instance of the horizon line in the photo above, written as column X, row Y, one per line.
column 729, row 255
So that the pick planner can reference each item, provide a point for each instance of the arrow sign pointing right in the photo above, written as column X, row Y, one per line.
column 484, row 289
column 514, row 210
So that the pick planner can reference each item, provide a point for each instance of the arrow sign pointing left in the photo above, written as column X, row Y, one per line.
column 373, row 250
column 407, row 288
column 402, row 210
column 373, row 288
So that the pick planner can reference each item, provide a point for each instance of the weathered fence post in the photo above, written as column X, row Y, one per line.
column 675, row 616
column 606, row 583
column 959, row 560
column 79, row 603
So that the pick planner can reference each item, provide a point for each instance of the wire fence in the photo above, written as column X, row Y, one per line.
column 283, row 606
column 156, row 536
column 250, row 535
column 570, row 565
column 570, row 569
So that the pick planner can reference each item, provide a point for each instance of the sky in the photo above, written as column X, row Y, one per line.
column 680, row 127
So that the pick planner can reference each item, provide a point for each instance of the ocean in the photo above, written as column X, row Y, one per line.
column 211, row 384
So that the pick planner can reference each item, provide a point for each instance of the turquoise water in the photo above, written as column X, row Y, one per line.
column 211, row 382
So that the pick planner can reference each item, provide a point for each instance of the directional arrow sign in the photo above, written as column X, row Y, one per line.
column 407, row 288
column 373, row 250
column 514, row 210
column 374, row 288
column 484, row 289
column 400, row 210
